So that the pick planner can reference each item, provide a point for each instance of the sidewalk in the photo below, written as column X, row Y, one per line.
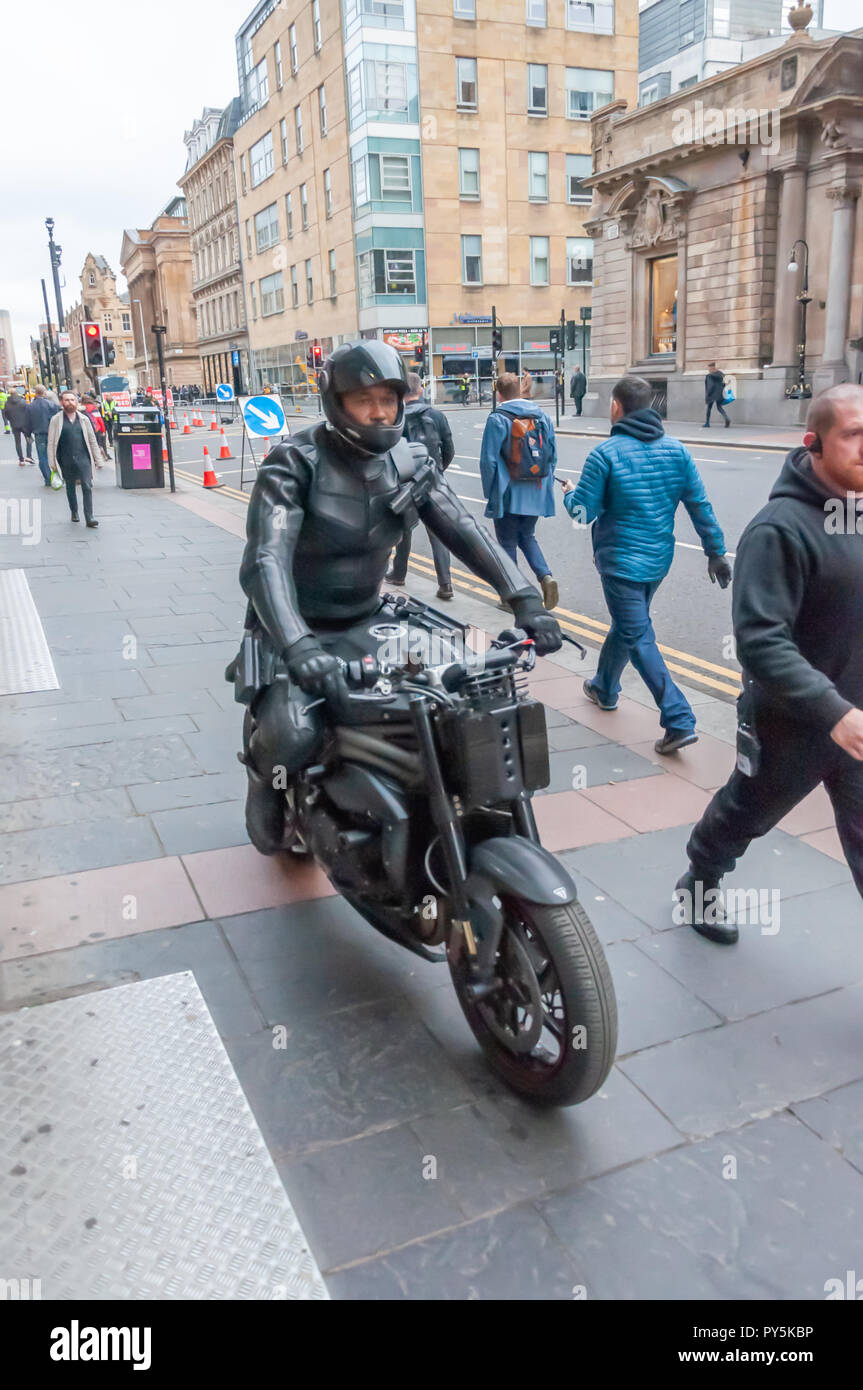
column 765, row 437
column 133, row 907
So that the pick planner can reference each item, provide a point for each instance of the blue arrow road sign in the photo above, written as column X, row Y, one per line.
column 224, row 392
column 263, row 415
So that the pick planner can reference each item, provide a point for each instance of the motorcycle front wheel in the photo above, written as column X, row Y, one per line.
column 549, row 1029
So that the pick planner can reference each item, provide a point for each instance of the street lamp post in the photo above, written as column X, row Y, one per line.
column 55, row 252
column 801, row 391
column 144, row 341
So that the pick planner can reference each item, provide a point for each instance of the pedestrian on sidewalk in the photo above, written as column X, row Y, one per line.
column 714, row 388
column 7, row 428
column 464, row 387
column 41, row 411
column 630, row 488
column 73, row 449
column 578, row 388
column 517, row 460
column 95, row 416
column 109, row 416
column 425, row 425
column 798, row 624
column 16, row 413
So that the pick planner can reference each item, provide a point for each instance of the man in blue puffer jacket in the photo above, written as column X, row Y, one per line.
column 631, row 487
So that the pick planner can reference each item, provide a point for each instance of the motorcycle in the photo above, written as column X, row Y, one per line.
column 419, row 812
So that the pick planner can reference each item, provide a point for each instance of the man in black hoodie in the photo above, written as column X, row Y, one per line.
column 798, row 622
column 425, row 425
column 714, row 386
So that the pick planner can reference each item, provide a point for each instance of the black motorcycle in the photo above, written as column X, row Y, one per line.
column 419, row 812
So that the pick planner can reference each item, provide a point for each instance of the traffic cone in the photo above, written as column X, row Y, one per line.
column 186, row 429
column 210, row 479
column 213, row 426
column 224, row 452
column 164, row 453
column 172, row 422
column 197, row 419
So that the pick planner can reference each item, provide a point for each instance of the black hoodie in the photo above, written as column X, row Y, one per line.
column 798, row 599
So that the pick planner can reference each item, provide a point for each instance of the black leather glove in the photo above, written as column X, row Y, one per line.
column 719, row 569
column 317, row 672
column 530, row 615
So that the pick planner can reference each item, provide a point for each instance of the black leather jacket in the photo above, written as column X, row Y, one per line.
column 320, row 530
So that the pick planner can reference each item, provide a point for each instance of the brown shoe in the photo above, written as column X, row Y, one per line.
column 550, row 592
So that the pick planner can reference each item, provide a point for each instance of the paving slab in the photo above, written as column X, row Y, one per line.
column 837, row 1118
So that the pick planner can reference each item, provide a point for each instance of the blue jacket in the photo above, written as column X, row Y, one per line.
column 40, row 411
column 631, row 487
column 504, row 496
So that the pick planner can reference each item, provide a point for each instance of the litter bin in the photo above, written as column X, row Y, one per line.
column 138, row 447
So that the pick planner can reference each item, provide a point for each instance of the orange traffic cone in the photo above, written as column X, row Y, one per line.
column 172, row 422
column 213, row 426
column 224, row 452
column 186, row 429
column 210, row 479
column 164, row 453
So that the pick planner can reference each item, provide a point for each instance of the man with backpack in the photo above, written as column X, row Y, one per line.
column 425, row 425
column 516, row 464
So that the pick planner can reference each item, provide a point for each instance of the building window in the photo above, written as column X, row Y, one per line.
column 261, row 159
column 127, row 323
column 92, row 279
column 537, row 177
column 316, row 24
column 322, row 109
column 289, row 213
column 254, row 305
column 721, row 19
column 310, row 289
column 663, row 304
column 537, row 89
column 578, row 167
column 539, row 260
column 384, row 273
column 584, row 14
column 283, row 136
column 249, row 248
column 298, row 122
column 536, row 13
column 465, row 84
column 649, row 94
column 788, row 74
column 471, row 260
column 267, row 227
column 386, row 86
column 687, row 82
column 355, row 93
column 328, row 193
column 687, row 38
column 389, row 14
column 359, row 172
column 272, row 297
column 295, row 293
column 332, row 275
column 468, row 174
column 579, row 260
column 396, row 176
column 292, row 42
column 243, row 172
column 108, row 321
column 304, row 207
column 130, row 352
column 464, row 9
column 586, row 90
column 277, row 55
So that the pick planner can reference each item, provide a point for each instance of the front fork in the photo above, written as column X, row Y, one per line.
column 469, row 894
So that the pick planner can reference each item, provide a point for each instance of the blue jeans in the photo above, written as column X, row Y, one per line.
column 516, row 533
column 631, row 638
column 42, row 455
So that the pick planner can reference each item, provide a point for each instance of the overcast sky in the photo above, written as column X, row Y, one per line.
column 93, row 111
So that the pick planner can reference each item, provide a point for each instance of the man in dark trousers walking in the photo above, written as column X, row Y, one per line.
column 16, row 413
column 425, row 425
column 714, row 386
column 41, row 413
column 73, row 449
column 578, row 388
column 798, row 622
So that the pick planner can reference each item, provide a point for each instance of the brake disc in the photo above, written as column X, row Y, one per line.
column 531, row 1026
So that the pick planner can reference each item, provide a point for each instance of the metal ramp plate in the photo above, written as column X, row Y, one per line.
column 132, row 1166
column 25, row 661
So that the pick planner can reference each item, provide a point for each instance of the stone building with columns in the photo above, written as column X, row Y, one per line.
column 715, row 212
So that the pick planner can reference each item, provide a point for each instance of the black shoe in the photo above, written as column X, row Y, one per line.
column 698, row 904
column 594, row 698
column 92, row 523
column 391, row 579
column 265, row 813
column 76, row 518
column 673, row 739
column 727, row 424
column 444, row 591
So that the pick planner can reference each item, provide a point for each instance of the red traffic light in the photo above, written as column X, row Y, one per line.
column 92, row 331
column 316, row 350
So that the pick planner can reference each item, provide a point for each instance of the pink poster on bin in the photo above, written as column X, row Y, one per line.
column 141, row 456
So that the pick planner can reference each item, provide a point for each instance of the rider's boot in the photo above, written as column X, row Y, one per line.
column 265, row 813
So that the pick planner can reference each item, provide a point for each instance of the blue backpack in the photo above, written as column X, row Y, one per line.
column 528, row 452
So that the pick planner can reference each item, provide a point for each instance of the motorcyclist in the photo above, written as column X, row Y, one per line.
column 320, row 530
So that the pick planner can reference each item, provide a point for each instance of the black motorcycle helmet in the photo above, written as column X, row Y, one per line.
column 353, row 367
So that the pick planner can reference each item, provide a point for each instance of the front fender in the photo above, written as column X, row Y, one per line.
column 519, row 868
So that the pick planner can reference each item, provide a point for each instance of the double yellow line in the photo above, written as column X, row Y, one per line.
column 696, row 669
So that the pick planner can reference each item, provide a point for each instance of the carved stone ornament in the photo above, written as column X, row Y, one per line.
column 659, row 217
column 832, row 135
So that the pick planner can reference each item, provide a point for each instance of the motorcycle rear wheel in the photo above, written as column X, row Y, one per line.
column 550, row 1031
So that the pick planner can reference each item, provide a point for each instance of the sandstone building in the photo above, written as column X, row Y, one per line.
column 157, row 264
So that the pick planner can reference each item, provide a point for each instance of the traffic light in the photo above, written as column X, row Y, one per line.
column 554, row 340
column 91, row 340
column 110, row 354
column 420, row 354
column 496, row 341
column 570, row 335
column 316, row 355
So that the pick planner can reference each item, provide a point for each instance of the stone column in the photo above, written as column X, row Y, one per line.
column 787, row 284
column 844, row 198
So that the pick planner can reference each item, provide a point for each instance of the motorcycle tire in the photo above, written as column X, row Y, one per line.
column 566, row 936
